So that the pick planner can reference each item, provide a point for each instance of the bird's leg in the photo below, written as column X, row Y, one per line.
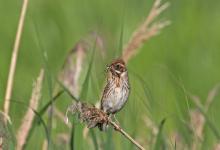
column 115, row 119
column 110, row 116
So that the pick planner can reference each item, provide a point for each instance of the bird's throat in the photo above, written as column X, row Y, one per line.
column 117, row 81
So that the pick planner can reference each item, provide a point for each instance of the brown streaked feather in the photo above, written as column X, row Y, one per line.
column 117, row 81
column 116, row 91
column 121, row 61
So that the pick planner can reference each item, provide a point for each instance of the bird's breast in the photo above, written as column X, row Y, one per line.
column 116, row 99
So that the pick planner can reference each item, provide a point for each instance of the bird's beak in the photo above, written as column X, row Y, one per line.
column 107, row 68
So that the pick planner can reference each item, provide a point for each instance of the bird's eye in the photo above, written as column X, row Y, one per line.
column 117, row 67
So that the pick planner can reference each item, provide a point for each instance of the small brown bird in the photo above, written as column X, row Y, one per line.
column 117, row 89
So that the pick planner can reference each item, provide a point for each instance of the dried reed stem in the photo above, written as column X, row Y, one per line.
column 146, row 30
column 14, row 58
column 1, row 142
column 93, row 117
column 75, row 62
column 70, row 73
column 197, row 118
column 217, row 146
column 45, row 145
column 29, row 116
column 126, row 135
column 6, row 117
column 150, row 124
column 211, row 96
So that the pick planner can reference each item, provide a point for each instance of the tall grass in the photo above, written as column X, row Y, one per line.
column 188, row 48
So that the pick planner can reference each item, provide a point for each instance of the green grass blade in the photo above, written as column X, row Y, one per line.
column 67, row 91
column 120, row 45
column 47, row 105
column 43, row 123
column 48, row 78
column 72, row 144
column 38, row 117
column 83, row 95
column 146, row 88
column 118, row 52
column 210, row 123
column 175, row 145
column 85, row 85
column 109, row 142
column 94, row 139
column 159, row 138
column 41, row 113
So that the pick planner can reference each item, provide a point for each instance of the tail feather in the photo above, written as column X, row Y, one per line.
column 103, row 127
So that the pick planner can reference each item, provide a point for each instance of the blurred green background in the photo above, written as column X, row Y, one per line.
column 184, row 58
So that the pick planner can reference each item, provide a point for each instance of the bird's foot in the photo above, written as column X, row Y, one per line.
column 116, row 121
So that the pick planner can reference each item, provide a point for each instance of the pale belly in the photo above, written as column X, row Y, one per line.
column 116, row 100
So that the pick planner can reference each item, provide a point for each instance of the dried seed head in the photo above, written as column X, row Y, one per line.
column 88, row 114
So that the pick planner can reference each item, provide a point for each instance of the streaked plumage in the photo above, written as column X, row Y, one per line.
column 116, row 91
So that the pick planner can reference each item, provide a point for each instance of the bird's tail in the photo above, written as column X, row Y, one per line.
column 103, row 126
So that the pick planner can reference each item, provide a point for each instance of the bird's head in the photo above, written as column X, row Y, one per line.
column 117, row 68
